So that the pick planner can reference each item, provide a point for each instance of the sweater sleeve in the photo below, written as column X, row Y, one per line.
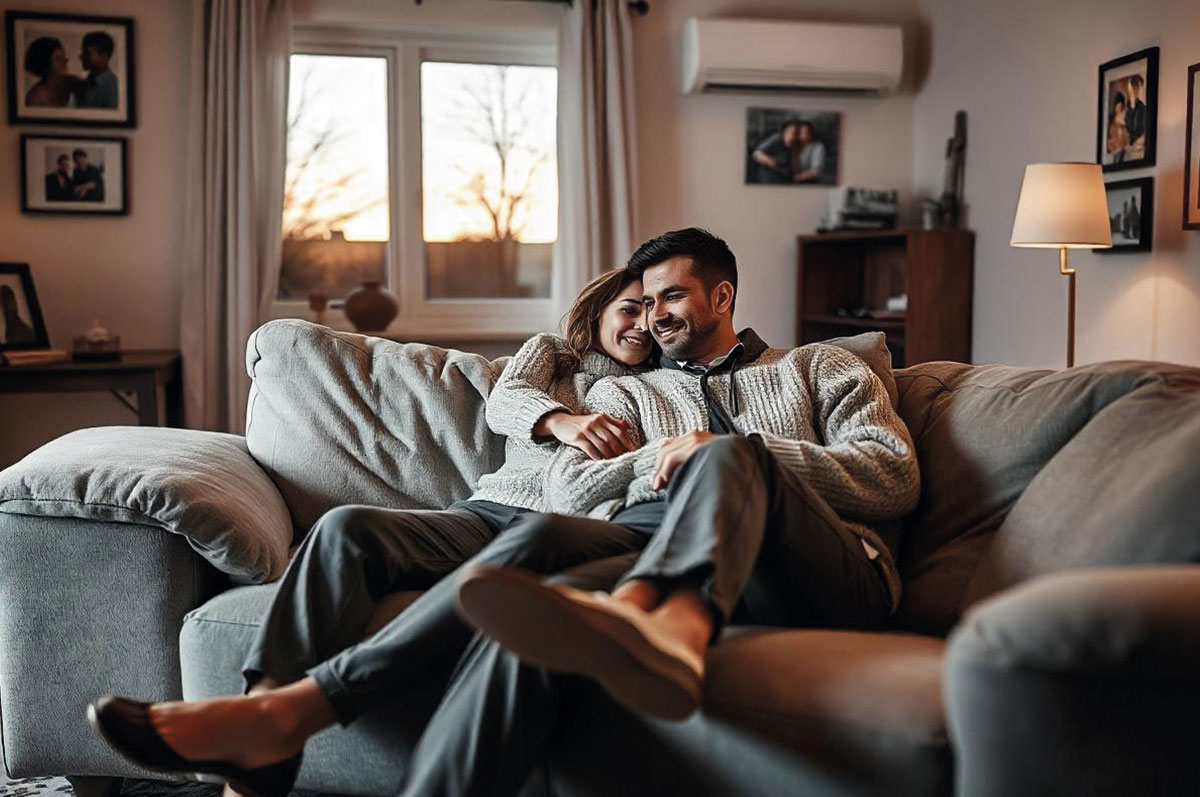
column 867, row 468
column 521, row 396
column 575, row 484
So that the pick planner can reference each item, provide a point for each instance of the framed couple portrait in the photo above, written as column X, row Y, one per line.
column 1127, row 111
column 79, row 175
column 70, row 69
column 1130, row 215
column 786, row 147
column 1191, row 157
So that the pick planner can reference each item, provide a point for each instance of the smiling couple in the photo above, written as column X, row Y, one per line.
column 647, row 498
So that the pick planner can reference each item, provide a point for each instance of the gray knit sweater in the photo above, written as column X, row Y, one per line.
column 527, row 390
column 819, row 409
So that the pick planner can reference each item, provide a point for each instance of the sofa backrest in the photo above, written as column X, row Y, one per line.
column 983, row 433
column 338, row 418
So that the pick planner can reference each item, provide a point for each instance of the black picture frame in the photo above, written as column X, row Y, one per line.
column 1191, row 153
column 124, row 54
column 766, row 129
column 1144, row 186
column 112, row 204
column 33, row 309
column 1104, row 108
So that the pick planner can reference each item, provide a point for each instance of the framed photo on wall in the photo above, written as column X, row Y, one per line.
column 21, row 324
column 80, row 175
column 785, row 147
column 1127, row 111
column 1191, row 157
column 1130, row 214
column 70, row 69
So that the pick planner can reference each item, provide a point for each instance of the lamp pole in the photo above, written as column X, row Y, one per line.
column 1070, row 274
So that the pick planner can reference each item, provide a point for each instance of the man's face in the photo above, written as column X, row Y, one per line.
column 81, row 162
column 789, row 135
column 91, row 58
column 1134, row 91
column 679, row 308
column 64, row 165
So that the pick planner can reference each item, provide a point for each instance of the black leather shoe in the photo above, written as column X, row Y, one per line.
column 126, row 726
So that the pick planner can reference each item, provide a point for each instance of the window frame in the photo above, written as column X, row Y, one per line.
column 407, row 277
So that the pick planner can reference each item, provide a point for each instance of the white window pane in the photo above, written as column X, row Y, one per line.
column 335, row 208
column 489, row 178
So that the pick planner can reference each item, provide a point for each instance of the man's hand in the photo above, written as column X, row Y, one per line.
column 674, row 452
column 598, row 436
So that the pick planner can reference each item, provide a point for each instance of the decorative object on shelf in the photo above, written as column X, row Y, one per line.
column 852, row 208
column 930, row 210
column 1127, row 111
column 21, row 325
column 70, row 69
column 950, row 203
column 79, row 175
column 371, row 308
column 1191, row 157
column 1130, row 214
column 1063, row 206
column 96, row 345
column 785, row 147
column 318, row 303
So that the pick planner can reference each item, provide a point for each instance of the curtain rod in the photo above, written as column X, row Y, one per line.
column 640, row 6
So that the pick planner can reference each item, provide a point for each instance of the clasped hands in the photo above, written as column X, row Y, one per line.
column 604, row 437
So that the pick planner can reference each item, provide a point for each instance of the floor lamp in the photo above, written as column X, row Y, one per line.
column 1063, row 206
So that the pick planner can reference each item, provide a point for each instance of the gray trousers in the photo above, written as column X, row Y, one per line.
column 762, row 549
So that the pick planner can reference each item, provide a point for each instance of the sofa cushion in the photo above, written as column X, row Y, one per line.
column 1124, row 490
column 785, row 712
column 201, row 485
column 338, row 418
column 871, row 348
column 982, row 433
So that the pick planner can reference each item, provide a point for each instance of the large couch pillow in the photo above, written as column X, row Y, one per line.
column 339, row 418
column 871, row 348
column 1125, row 490
column 201, row 485
column 982, row 433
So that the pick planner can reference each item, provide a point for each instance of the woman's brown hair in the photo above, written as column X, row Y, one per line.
column 581, row 324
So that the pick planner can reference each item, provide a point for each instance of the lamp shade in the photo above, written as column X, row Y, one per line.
column 1062, row 205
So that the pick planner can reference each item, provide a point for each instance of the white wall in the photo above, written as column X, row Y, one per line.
column 1026, row 73
column 692, row 149
column 122, row 270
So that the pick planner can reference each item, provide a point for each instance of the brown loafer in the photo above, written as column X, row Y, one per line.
column 126, row 727
column 571, row 631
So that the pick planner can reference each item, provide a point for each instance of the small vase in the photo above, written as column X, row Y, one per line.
column 371, row 308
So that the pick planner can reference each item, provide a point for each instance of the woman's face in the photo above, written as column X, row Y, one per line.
column 59, row 64
column 623, row 334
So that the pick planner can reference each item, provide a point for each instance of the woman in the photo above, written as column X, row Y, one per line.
column 47, row 59
column 354, row 556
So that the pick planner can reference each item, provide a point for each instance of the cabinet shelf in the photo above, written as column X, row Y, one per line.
column 935, row 268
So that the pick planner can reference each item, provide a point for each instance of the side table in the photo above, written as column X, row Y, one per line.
column 153, row 376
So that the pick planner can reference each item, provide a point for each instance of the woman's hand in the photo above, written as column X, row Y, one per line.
column 598, row 436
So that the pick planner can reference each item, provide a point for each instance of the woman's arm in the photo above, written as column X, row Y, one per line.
column 521, row 396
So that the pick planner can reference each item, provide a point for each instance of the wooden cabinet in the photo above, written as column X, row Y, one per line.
column 862, row 269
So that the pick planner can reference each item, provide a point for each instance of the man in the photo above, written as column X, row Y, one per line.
column 58, row 182
column 1135, row 116
column 87, row 184
column 99, row 90
column 773, row 155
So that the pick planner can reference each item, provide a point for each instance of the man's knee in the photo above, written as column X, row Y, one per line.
column 538, row 537
column 346, row 528
column 730, row 451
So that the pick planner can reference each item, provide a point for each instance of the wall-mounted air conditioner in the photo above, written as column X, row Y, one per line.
column 765, row 55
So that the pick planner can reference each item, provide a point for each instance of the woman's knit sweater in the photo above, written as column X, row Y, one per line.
column 526, row 391
column 819, row 409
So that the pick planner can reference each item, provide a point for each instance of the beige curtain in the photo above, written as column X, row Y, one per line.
column 236, row 163
column 596, row 154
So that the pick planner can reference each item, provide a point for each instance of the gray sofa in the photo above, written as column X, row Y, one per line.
column 1048, row 640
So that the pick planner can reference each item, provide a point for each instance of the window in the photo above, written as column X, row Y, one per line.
column 428, row 165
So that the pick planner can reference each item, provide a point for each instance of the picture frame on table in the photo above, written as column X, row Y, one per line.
column 21, row 324
column 1191, row 156
column 1131, row 214
column 70, row 69
column 1127, row 111
column 82, row 175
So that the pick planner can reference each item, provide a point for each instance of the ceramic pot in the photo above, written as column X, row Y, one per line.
column 371, row 308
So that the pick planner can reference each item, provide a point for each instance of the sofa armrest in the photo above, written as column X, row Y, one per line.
column 1080, row 682
column 204, row 486
column 87, row 608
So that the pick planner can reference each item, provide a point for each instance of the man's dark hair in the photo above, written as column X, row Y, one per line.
column 711, row 258
column 1137, row 81
column 99, row 41
column 62, row 157
column 37, row 57
column 79, row 153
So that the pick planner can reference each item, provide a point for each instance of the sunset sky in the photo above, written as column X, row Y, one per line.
column 349, row 95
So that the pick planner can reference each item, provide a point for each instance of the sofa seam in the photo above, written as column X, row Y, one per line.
column 196, row 619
